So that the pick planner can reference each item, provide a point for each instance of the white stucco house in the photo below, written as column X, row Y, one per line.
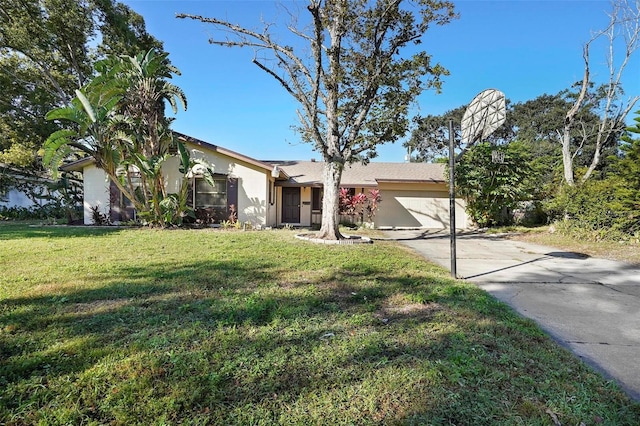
column 414, row 195
column 24, row 190
column 274, row 193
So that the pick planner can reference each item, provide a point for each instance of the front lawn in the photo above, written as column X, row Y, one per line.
column 138, row 326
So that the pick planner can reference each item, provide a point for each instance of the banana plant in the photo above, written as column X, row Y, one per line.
column 118, row 119
column 93, row 116
column 188, row 167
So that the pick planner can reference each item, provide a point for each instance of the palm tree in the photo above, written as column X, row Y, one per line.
column 148, row 90
column 119, row 120
column 146, row 97
column 94, row 130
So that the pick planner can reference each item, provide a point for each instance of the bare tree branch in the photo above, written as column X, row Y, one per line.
column 285, row 56
column 62, row 96
column 356, row 93
column 624, row 19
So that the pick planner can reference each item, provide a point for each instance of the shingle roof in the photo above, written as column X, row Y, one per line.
column 78, row 165
column 309, row 173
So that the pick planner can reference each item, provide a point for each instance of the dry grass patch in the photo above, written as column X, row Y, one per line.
column 624, row 251
column 399, row 307
column 98, row 306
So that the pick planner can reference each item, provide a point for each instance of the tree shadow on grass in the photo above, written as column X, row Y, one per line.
column 129, row 300
column 165, row 308
column 233, row 341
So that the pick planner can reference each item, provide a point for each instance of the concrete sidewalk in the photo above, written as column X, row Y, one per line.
column 590, row 305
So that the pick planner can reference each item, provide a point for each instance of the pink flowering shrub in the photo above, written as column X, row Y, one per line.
column 372, row 204
column 360, row 205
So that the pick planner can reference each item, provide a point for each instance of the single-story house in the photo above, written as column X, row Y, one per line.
column 275, row 193
column 414, row 195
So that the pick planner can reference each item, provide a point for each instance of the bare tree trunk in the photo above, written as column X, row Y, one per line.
column 626, row 17
column 604, row 134
column 330, row 207
column 569, row 119
column 601, row 138
column 332, row 155
column 567, row 158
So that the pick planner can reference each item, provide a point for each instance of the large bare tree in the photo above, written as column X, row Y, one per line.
column 355, row 68
column 623, row 39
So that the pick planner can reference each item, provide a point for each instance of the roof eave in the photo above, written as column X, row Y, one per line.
column 78, row 165
column 291, row 184
column 410, row 180
column 230, row 153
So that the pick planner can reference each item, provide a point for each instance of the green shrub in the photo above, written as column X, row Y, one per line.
column 99, row 218
column 597, row 209
column 493, row 189
column 46, row 211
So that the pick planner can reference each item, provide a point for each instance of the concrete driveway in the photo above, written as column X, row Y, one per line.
column 589, row 305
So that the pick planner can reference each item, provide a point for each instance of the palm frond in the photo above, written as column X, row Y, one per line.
column 88, row 108
column 56, row 148
column 65, row 113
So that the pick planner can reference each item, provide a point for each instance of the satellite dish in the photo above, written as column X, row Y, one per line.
column 485, row 113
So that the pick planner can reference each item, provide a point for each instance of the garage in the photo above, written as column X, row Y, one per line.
column 417, row 205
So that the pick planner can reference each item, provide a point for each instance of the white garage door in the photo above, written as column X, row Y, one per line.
column 417, row 209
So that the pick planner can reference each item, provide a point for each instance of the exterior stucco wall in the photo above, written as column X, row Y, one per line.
column 417, row 206
column 15, row 198
column 272, row 204
column 253, row 188
column 96, row 192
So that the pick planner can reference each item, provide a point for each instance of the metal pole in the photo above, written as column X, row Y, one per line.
column 452, row 202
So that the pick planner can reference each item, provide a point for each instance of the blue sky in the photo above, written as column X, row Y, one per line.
column 523, row 48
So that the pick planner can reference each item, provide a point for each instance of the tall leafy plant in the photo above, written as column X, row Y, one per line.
column 148, row 91
column 118, row 119
column 492, row 189
column 91, row 127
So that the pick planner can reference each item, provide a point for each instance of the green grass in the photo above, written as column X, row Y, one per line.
column 138, row 326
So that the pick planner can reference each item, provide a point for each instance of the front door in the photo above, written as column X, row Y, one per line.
column 290, row 205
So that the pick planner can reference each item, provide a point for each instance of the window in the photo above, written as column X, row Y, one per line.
column 121, row 207
column 207, row 196
column 211, row 202
column 316, row 198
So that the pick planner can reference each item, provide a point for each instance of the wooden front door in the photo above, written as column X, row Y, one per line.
column 290, row 205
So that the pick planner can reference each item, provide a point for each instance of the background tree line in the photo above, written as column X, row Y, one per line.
column 531, row 176
column 48, row 49
column 569, row 157
column 562, row 152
